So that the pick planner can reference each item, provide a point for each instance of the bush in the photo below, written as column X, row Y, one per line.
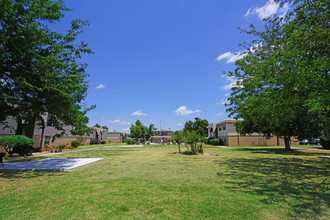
column 109, row 141
column 325, row 142
column 130, row 141
column 61, row 147
column 17, row 143
column 75, row 144
column 103, row 141
column 216, row 141
column 94, row 142
column 188, row 152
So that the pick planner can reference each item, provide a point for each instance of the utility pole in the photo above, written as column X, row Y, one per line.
column 160, row 124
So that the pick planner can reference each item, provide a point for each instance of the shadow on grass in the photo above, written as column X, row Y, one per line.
column 300, row 184
column 14, row 175
column 281, row 151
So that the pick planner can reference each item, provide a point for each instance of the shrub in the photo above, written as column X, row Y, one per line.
column 216, row 141
column 75, row 144
column 188, row 152
column 130, row 141
column 109, row 141
column 61, row 147
column 103, row 141
column 94, row 142
column 17, row 143
column 325, row 142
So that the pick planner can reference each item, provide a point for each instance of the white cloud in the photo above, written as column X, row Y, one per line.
column 117, row 121
column 180, row 124
column 231, row 84
column 231, row 57
column 227, row 95
column 269, row 9
column 139, row 113
column 114, row 121
column 219, row 114
column 223, row 101
column 101, row 86
column 184, row 111
column 248, row 12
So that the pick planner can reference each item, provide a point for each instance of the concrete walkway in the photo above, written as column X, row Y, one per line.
column 63, row 164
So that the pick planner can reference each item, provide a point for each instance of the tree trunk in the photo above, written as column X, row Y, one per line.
column 20, row 127
column 287, row 143
column 29, row 128
column 179, row 148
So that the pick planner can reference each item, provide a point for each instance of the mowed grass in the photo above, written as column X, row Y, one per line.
column 152, row 183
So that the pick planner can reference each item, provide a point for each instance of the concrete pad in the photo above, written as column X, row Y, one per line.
column 63, row 164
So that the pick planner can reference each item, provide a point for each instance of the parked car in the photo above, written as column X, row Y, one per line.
column 303, row 142
column 314, row 141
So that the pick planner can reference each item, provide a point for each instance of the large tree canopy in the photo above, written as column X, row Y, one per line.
column 283, row 79
column 199, row 125
column 40, row 72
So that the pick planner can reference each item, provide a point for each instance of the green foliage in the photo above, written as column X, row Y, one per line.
column 139, row 130
column 194, row 140
column 105, row 127
column 325, row 142
column 61, row 147
column 188, row 152
column 17, row 143
column 41, row 70
column 75, row 144
column 97, row 126
column 216, row 141
column 130, row 141
column 103, row 141
column 109, row 141
column 283, row 78
column 198, row 125
column 178, row 137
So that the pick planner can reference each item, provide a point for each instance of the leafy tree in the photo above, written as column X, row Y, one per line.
column 138, row 130
column 40, row 72
column 198, row 125
column 193, row 138
column 18, row 143
column 150, row 131
column 105, row 127
column 178, row 137
column 97, row 126
column 283, row 79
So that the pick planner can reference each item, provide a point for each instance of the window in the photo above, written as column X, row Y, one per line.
column 220, row 128
column 47, row 139
column 49, row 123
column 224, row 127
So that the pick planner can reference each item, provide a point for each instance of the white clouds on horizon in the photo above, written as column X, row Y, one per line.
column 139, row 113
column 101, row 86
column 184, row 111
column 269, row 9
column 117, row 121
column 219, row 114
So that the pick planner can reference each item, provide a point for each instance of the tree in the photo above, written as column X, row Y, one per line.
column 150, row 131
column 97, row 125
column 105, row 127
column 40, row 72
column 138, row 130
column 283, row 78
column 177, row 137
column 198, row 125
column 192, row 138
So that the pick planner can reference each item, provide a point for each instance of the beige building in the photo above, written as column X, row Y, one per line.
column 161, row 136
column 226, row 131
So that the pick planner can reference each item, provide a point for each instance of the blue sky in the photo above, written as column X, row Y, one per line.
column 162, row 59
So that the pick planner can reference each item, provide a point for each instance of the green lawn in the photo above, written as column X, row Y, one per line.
column 151, row 182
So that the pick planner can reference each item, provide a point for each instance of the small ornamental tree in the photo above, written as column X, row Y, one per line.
column 177, row 137
column 192, row 138
column 18, row 143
